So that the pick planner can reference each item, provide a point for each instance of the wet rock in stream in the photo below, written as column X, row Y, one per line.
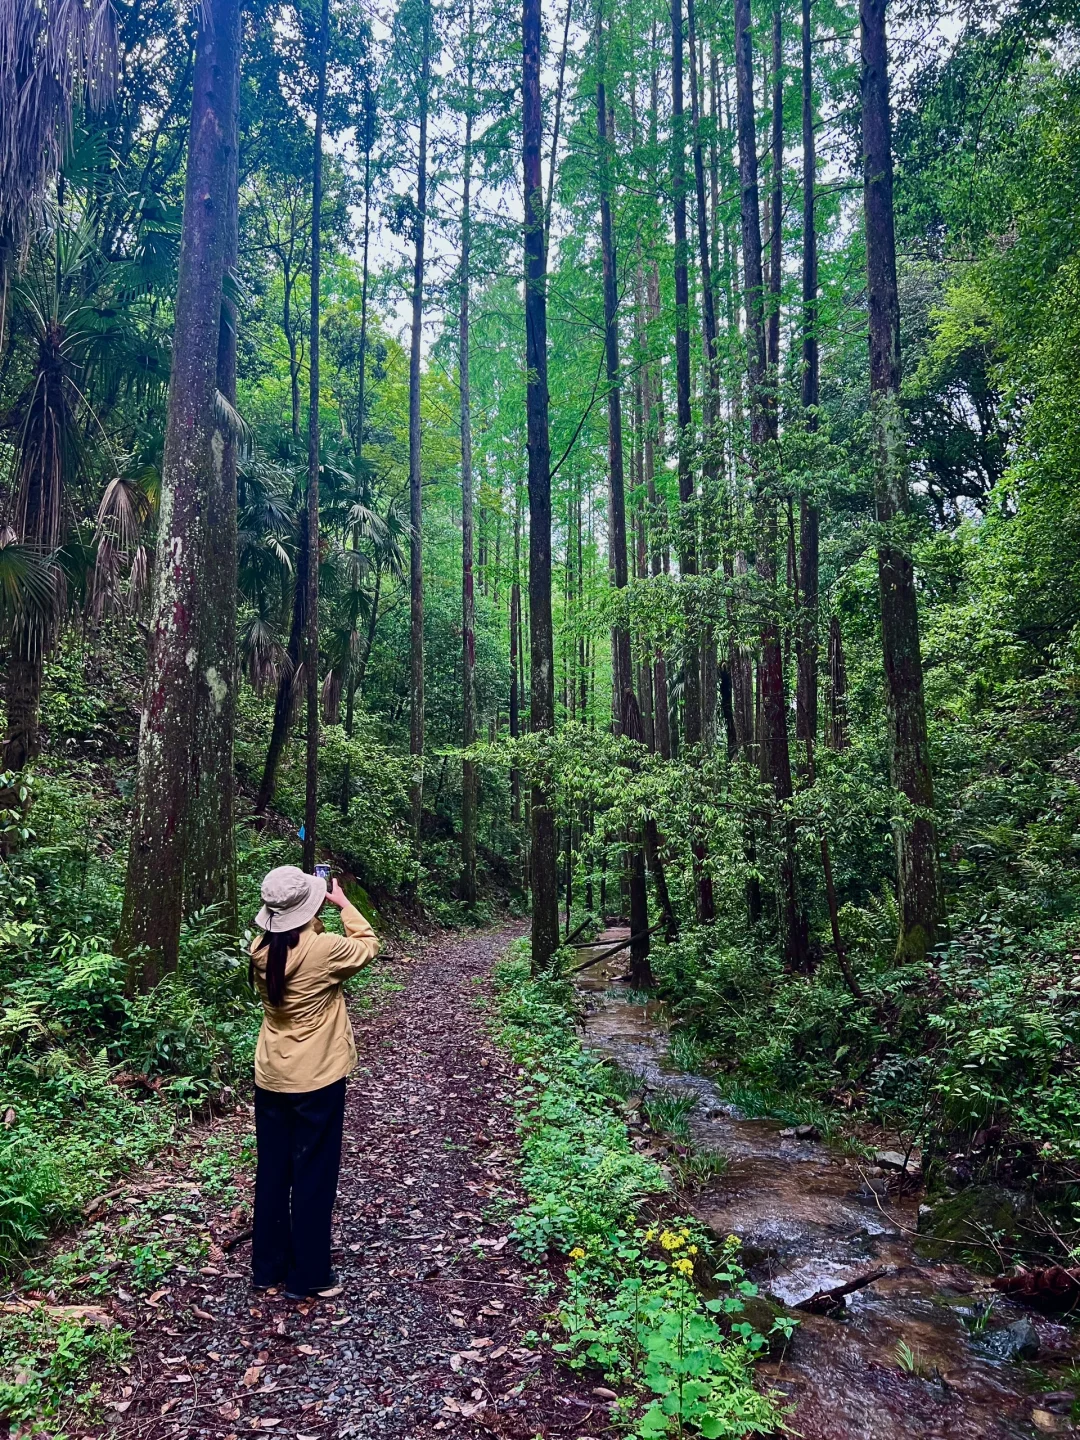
column 1018, row 1341
column 906, row 1357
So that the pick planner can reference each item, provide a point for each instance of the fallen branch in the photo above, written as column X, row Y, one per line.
column 235, row 1240
column 1050, row 1285
column 569, row 941
column 823, row 1301
column 607, row 954
column 99, row 1200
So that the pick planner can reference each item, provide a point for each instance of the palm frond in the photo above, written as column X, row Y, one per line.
column 27, row 586
column 332, row 688
column 232, row 422
column 261, row 654
column 48, row 55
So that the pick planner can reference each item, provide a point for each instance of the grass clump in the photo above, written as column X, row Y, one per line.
column 636, row 1304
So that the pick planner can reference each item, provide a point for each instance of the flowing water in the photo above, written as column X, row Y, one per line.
column 905, row 1357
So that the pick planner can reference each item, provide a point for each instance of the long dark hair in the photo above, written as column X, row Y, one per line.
column 278, row 943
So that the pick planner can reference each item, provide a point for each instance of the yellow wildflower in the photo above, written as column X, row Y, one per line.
column 693, row 1250
column 671, row 1240
column 650, row 1234
column 577, row 1253
column 684, row 1266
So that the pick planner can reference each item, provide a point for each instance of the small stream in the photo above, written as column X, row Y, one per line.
column 808, row 1221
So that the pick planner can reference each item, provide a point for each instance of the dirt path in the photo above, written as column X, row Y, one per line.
column 428, row 1336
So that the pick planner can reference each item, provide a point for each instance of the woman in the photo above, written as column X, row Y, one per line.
column 305, row 1051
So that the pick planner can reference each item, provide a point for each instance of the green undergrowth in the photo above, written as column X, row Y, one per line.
column 648, row 1302
column 981, row 1037
column 47, row 1367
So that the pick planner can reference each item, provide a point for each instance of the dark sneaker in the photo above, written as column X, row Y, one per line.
column 324, row 1292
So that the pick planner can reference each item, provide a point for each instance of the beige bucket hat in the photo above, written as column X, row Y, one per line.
column 290, row 899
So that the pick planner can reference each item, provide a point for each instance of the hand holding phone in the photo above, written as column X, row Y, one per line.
column 335, row 895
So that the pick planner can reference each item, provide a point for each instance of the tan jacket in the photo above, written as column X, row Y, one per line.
column 307, row 1042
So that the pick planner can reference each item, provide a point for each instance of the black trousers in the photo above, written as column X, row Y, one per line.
column 299, row 1144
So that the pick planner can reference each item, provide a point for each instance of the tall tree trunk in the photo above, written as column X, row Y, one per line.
column 776, row 209
column 687, row 504
column 553, row 159
column 294, row 358
column 627, row 711
column 654, row 439
column 806, row 706
column 624, row 679
column 836, row 692
column 416, row 552
column 210, row 862
column 355, row 673
column 153, row 895
column 917, row 878
column 775, row 756
column 712, row 461
column 23, row 697
column 285, row 696
column 468, row 616
column 545, row 914
column 369, row 139
column 515, row 659
column 311, row 647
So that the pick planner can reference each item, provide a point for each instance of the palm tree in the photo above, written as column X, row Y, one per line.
column 70, row 307
column 49, row 55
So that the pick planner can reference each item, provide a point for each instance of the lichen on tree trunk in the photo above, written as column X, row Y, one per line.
column 210, row 859
column 192, row 466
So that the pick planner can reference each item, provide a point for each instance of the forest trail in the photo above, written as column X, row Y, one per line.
column 426, row 1337
column 923, row 1352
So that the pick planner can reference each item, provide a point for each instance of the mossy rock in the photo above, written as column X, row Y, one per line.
column 359, row 897
column 762, row 1312
column 967, row 1225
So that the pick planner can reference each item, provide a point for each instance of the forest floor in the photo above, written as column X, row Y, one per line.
column 431, row 1332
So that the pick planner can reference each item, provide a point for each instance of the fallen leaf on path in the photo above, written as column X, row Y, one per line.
column 201, row 1314
column 603, row 1393
column 119, row 1405
column 89, row 1314
column 251, row 1375
column 308, row 1350
column 343, row 1321
column 463, row 1407
column 157, row 1297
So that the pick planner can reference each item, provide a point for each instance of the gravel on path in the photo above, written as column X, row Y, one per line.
column 428, row 1337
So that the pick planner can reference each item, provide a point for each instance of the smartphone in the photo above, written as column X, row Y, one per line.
column 323, row 872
